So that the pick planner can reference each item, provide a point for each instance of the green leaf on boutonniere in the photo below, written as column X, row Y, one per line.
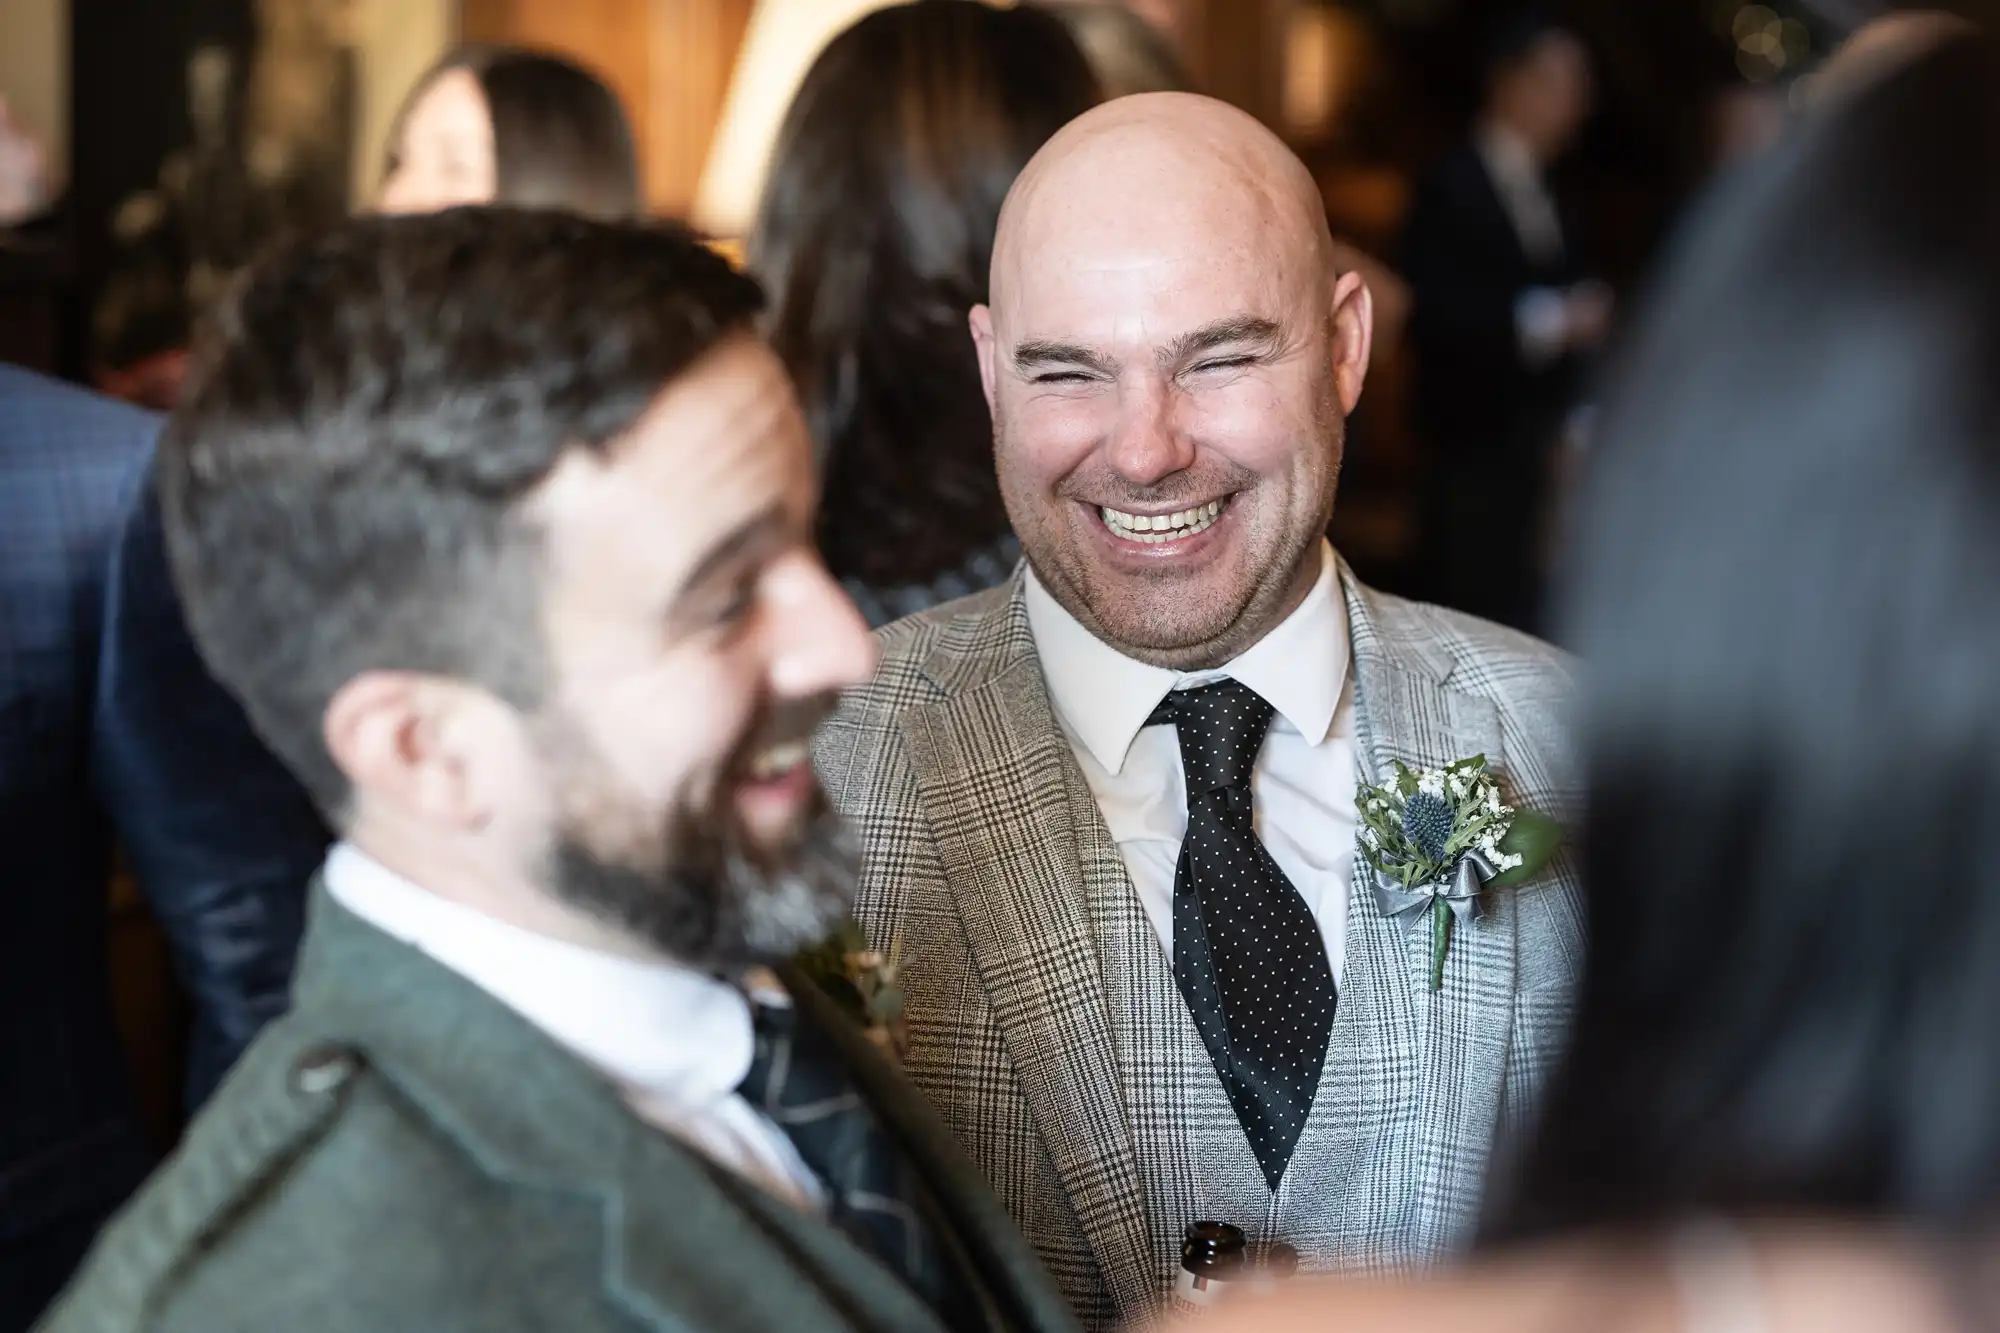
column 825, row 964
column 1441, row 920
column 865, row 985
column 1532, row 837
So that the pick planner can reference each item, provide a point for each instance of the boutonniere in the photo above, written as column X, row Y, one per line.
column 1438, row 837
column 865, row 983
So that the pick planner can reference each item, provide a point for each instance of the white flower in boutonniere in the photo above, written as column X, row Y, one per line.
column 1436, row 838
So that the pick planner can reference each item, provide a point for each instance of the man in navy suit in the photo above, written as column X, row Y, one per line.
column 91, row 648
column 1503, row 318
column 219, row 835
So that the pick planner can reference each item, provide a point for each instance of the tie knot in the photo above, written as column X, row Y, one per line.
column 1222, row 728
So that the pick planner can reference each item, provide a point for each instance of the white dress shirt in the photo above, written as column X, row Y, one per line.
column 1302, row 788
column 1517, row 179
column 673, row 1042
column 1541, row 316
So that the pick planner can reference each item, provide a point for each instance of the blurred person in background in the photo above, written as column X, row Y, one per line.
column 1503, row 317
column 1880, row 46
column 71, row 1145
column 1743, row 120
column 25, row 179
column 110, row 724
column 1782, row 1107
column 486, row 123
column 213, row 817
column 874, row 237
column 497, row 124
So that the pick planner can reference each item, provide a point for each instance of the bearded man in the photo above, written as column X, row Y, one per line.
column 499, row 525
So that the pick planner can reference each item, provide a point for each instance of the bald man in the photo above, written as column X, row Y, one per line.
column 1140, row 1012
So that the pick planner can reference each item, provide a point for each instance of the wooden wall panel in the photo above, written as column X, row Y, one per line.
column 693, row 54
column 1236, row 51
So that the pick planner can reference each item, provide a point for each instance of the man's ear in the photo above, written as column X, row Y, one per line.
column 981, row 321
column 1353, row 336
column 423, row 745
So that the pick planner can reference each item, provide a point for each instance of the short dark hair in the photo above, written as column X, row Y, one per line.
column 1518, row 34
column 560, row 137
column 341, row 482
column 875, row 235
column 1788, row 589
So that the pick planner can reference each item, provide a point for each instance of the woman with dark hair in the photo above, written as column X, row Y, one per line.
column 1788, row 587
column 1782, row 1108
column 873, row 238
column 496, row 124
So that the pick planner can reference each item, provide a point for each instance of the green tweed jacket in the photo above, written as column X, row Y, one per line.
column 402, row 1152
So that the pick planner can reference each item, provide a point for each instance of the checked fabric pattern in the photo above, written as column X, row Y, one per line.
column 799, row 1083
column 1044, row 1022
column 1248, row 956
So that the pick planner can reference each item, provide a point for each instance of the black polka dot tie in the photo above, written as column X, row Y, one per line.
column 1247, row 953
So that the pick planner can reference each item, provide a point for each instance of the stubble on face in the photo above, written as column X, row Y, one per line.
column 1156, row 344
column 1177, row 616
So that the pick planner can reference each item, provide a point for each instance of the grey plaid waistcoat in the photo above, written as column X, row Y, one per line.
column 1044, row 1020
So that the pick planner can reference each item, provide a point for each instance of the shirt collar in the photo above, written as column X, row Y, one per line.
column 1104, row 697
column 652, row 1026
column 1506, row 155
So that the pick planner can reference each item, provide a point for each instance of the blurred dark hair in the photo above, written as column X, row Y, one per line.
column 560, row 137
column 341, row 485
column 874, row 237
column 1787, row 587
column 1517, row 34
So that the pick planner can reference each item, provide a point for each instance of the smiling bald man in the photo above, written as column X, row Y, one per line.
column 1139, row 1010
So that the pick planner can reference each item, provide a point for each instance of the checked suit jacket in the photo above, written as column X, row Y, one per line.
column 1043, row 1020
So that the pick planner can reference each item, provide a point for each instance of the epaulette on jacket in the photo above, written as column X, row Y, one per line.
column 278, row 1103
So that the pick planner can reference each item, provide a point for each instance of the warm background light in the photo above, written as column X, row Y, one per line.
column 779, row 46
column 395, row 41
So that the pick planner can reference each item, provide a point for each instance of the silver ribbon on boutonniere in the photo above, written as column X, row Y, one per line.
column 1436, row 839
column 1460, row 893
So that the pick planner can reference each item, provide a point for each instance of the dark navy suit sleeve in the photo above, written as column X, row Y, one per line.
column 71, row 1146
column 220, row 836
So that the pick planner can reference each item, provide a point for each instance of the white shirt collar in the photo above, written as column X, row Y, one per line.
column 653, row 1026
column 1506, row 154
column 1104, row 697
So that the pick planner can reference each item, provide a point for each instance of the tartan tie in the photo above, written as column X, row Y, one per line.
column 1248, row 955
column 796, row 1079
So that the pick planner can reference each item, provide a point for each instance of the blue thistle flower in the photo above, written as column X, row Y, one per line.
column 1427, row 821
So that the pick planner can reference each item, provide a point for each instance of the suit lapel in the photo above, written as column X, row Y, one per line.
column 1441, row 1054
column 995, row 776
column 686, row 1245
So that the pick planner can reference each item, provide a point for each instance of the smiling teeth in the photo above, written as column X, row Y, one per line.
column 777, row 761
column 1152, row 528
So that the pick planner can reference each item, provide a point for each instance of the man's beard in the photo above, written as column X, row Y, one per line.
column 713, row 896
